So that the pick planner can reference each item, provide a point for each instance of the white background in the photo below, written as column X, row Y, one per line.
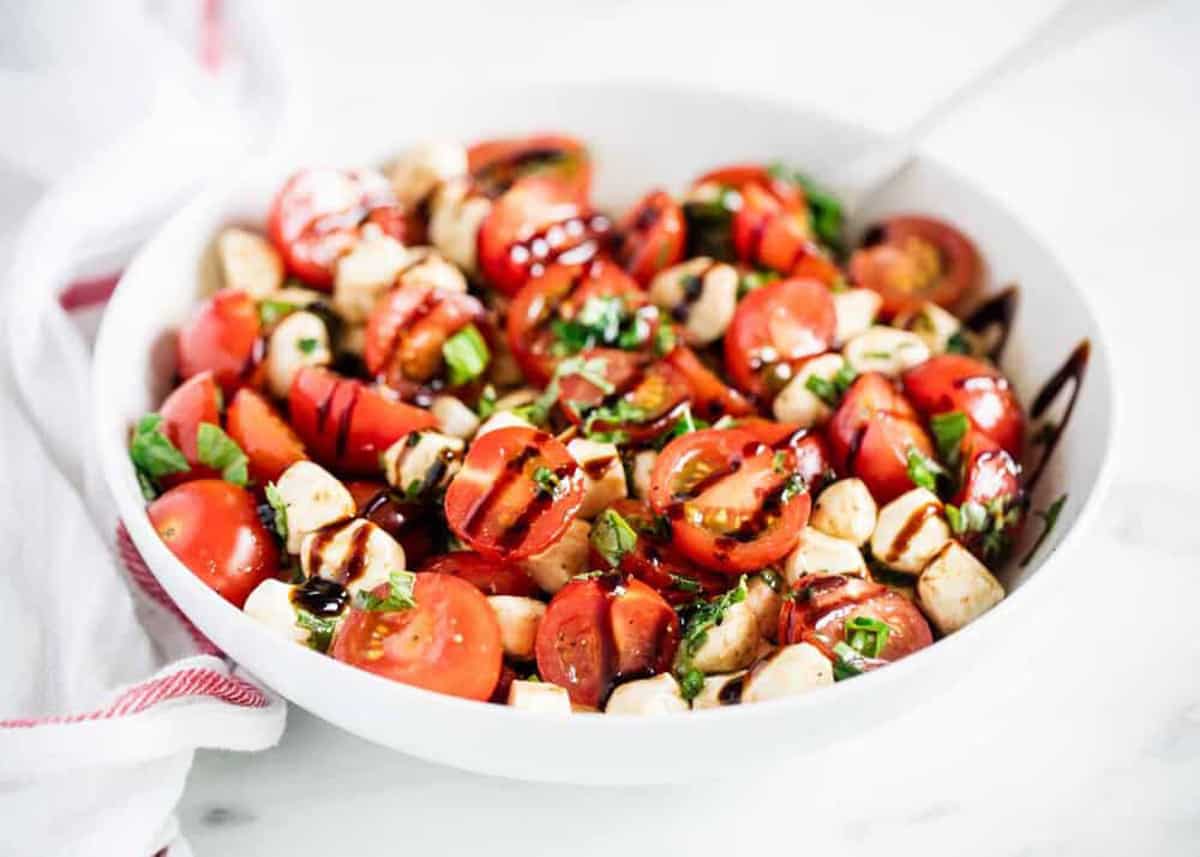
column 1080, row 737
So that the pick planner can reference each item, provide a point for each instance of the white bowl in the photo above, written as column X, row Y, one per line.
column 641, row 136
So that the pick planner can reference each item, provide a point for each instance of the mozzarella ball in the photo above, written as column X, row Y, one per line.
column 271, row 604
column 603, row 474
column 791, row 671
column 499, row 420
column 355, row 553
column 366, row 272
column 454, row 418
column 764, row 603
column 419, row 171
column 731, row 644
column 643, row 470
column 910, row 531
column 648, row 696
column 855, row 310
column 425, row 266
column 539, row 696
column 817, row 553
column 955, row 589
column 556, row 565
column 519, row 619
column 701, row 294
column 454, row 222
column 313, row 498
column 846, row 510
column 720, row 690
column 934, row 325
column 249, row 262
column 421, row 461
column 885, row 350
column 299, row 340
column 798, row 404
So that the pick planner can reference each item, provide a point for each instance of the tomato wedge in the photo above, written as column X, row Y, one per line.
column 538, row 222
column 449, row 642
column 711, row 397
column 487, row 575
column 346, row 424
column 768, row 234
column 910, row 260
column 735, row 503
column 643, row 399
column 991, row 478
column 496, row 165
column 415, row 525
column 222, row 337
column 268, row 441
column 774, row 330
column 871, row 433
column 645, row 630
column 315, row 218
column 820, row 606
column 574, row 644
column 517, row 492
column 813, row 463
column 193, row 402
column 956, row 382
column 651, row 236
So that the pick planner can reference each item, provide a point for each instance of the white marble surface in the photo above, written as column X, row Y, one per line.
column 1080, row 737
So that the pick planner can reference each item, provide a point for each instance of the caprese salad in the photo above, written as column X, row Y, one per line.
column 452, row 424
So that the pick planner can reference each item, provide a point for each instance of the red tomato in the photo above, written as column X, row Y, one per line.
column 729, row 499
column 574, row 643
column 910, row 260
column 651, row 236
column 645, row 630
column 538, row 222
column 496, row 165
column 407, row 329
column 871, row 433
column 214, row 529
column 956, row 382
column 711, row 397
column 449, row 642
column 789, row 194
column 767, row 234
column 223, row 336
column 517, row 492
column 315, row 218
column 557, row 297
column 774, row 330
column 812, row 463
column 821, row 605
column 268, row 441
column 413, row 525
column 346, row 424
column 193, row 402
column 489, row 576
column 990, row 474
column 651, row 396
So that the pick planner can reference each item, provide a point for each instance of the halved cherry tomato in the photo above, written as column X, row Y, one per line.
column 193, row 402
column 449, row 642
column 871, row 433
column 489, row 576
column 956, row 382
column 268, row 441
column 645, row 630
column 538, row 222
column 767, row 234
column 517, row 492
column 820, row 606
column 406, row 332
column 347, row 425
column 732, row 501
column 496, row 165
column 223, row 336
column 315, row 218
column 992, row 479
column 414, row 525
column 645, row 398
column 774, row 330
column 651, row 236
column 556, row 298
column 711, row 397
column 812, row 463
column 213, row 528
column 910, row 260
column 574, row 643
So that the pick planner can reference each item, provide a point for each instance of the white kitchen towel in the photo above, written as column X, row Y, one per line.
column 105, row 689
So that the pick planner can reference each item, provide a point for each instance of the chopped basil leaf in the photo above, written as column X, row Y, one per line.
column 752, row 280
column 1049, row 519
column 691, row 683
column 307, row 345
column 550, row 483
column 466, row 355
column 602, row 321
column 957, row 344
column 686, row 584
column 320, row 630
column 922, row 470
column 664, row 339
column 779, row 462
column 795, row 486
column 153, row 454
column 970, row 517
column 823, row 389
column 399, row 597
column 591, row 370
column 949, row 429
column 699, row 616
column 686, row 424
column 620, row 411
column 867, row 636
column 487, row 402
column 271, row 312
column 279, row 507
column 847, row 663
column 217, row 450
column 612, row 537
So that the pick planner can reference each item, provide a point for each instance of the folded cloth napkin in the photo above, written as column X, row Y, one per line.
column 106, row 689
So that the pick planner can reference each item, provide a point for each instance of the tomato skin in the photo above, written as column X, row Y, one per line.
column 788, row 320
column 711, row 397
column 413, row 525
column 788, row 194
column 956, row 382
column 818, row 613
column 737, row 477
column 268, row 441
column 768, row 234
column 910, row 260
column 494, row 504
column 645, row 630
column 656, row 389
column 345, row 424
column 652, row 236
column 449, row 642
column 222, row 337
column 574, row 644
column 314, row 218
column 813, row 462
column 191, row 403
column 496, row 165
column 990, row 473
column 213, row 528
column 487, row 575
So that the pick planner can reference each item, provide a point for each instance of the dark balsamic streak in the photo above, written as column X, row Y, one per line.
column 999, row 310
column 1074, row 370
